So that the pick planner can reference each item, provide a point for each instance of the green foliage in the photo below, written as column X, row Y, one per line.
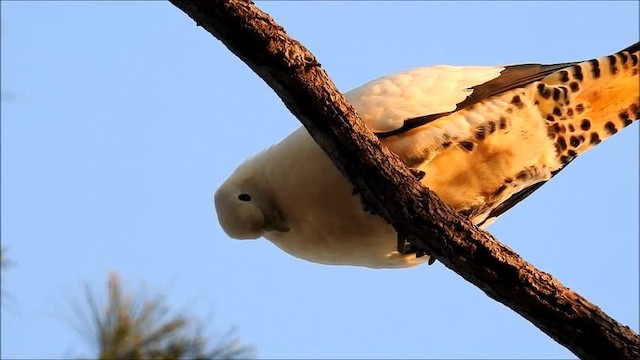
column 133, row 328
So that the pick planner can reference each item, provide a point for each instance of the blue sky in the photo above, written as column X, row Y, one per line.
column 120, row 119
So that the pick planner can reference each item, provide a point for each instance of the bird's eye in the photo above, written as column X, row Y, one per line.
column 244, row 197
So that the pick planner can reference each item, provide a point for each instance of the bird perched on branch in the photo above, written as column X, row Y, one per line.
column 485, row 136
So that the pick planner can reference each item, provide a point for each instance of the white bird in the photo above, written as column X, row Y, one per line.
column 486, row 138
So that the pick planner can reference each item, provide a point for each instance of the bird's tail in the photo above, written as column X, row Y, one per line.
column 588, row 102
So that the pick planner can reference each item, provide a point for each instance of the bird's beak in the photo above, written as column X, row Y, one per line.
column 276, row 226
column 274, row 220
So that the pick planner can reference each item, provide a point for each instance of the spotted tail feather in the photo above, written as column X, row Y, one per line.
column 588, row 102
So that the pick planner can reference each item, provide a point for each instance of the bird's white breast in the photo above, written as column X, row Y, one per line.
column 328, row 223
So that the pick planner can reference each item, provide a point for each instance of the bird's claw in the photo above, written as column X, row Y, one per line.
column 417, row 174
column 404, row 246
column 366, row 207
column 421, row 253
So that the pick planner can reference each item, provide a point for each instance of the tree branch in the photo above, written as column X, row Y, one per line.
column 388, row 187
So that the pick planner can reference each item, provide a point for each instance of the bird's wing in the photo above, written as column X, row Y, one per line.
column 515, row 199
column 397, row 103
column 394, row 104
column 626, row 115
column 402, row 109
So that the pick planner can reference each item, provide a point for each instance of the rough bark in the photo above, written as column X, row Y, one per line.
column 390, row 189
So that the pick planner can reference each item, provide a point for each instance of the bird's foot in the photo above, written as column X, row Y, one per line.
column 421, row 253
column 404, row 246
column 417, row 173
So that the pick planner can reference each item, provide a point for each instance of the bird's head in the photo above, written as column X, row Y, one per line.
column 247, row 212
